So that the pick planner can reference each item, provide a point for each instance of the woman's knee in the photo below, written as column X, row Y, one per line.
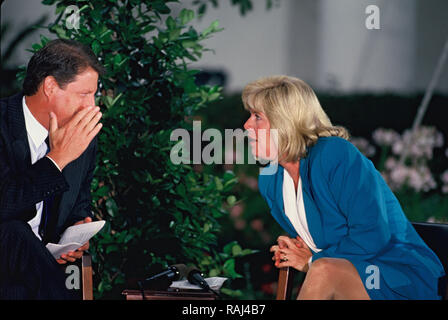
column 321, row 272
column 326, row 276
column 327, row 269
column 331, row 264
column 323, row 265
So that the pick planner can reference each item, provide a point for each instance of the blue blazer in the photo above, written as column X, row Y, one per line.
column 353, row 214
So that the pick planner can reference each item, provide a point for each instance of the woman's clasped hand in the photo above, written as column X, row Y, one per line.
column 290, row 252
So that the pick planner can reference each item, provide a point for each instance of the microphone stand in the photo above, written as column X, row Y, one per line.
column 142, row 289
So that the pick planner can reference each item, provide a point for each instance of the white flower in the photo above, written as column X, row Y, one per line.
column 420, row 145
column 444, row 178
column 421, row 179
column 364, row 146
column 398, row 176
column 390, row 163
column 419, row 148
column 397, row 147
column 385, row 137
column 418, row 178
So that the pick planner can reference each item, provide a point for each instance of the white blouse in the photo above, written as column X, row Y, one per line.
column 295, row 210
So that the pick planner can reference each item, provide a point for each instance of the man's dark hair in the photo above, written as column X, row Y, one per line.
column 62, row 59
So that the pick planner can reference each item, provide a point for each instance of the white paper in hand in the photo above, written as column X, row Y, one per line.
column 75, row 237
column 59, row 249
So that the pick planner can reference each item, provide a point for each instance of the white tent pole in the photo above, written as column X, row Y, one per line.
column 426, row 99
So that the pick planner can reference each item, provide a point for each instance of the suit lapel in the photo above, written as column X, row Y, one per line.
column 20, row 146
column 19, row 155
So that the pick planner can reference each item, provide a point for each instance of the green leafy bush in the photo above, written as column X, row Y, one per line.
column 158, row 213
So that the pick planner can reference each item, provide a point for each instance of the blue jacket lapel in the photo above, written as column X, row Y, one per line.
column 312, row 212
column 274, row 193
column 271, row 187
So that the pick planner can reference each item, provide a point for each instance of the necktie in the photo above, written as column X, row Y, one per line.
column 48, row 201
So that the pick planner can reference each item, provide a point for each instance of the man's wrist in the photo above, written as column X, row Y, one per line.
column 54, row 162
column 58, row 161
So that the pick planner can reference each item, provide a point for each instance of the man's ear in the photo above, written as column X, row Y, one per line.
column 49, row 86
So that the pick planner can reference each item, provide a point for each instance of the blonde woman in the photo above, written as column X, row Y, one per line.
column 346, row 229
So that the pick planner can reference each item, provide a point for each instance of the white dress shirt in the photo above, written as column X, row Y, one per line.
column 38, row 149
column 295, row 210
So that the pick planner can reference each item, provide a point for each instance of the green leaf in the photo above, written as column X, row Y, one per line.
column 111, row 248
column 236, row 250
column 214, row 96
column 231, row 200
column 60, row 31
column 218, row 183
column 186, row 16
column 232, row 293
column 228, row 247
column 170, row 23
column 214, row 273
column 174, row 34
column 211, row 29
column 229, row 269
column 112, row 208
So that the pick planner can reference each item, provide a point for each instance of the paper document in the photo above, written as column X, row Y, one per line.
column 75, row 237
column 215, row 283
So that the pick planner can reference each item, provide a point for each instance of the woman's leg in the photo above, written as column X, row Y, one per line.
column 333, row 278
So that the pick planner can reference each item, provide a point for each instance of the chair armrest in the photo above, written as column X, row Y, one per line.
column 87, row 277
column 285, row 281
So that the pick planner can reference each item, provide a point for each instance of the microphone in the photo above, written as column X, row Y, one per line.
column 194, row 276
column 162, row 280
column 173, row 272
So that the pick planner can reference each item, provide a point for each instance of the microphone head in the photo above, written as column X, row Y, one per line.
column 162, row 280
column 190, row 270
column 194, row 276
column 180, row 270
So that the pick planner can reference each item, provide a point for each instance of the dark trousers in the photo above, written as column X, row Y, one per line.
column 27, row 269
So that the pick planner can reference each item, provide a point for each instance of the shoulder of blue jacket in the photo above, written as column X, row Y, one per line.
column 332, row 149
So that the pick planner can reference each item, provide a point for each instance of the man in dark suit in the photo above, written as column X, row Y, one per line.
column 45, row 183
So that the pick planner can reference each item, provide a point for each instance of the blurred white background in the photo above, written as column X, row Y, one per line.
column 324, row 42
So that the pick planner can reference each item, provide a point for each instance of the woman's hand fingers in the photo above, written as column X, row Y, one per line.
column 301, row 242
column 283, row 241
column 293, row 257
column 286, row 242
column 298, row 242
column 291, row 252
column 275, row 250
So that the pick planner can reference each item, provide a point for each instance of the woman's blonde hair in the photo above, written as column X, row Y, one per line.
column 292, row 108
